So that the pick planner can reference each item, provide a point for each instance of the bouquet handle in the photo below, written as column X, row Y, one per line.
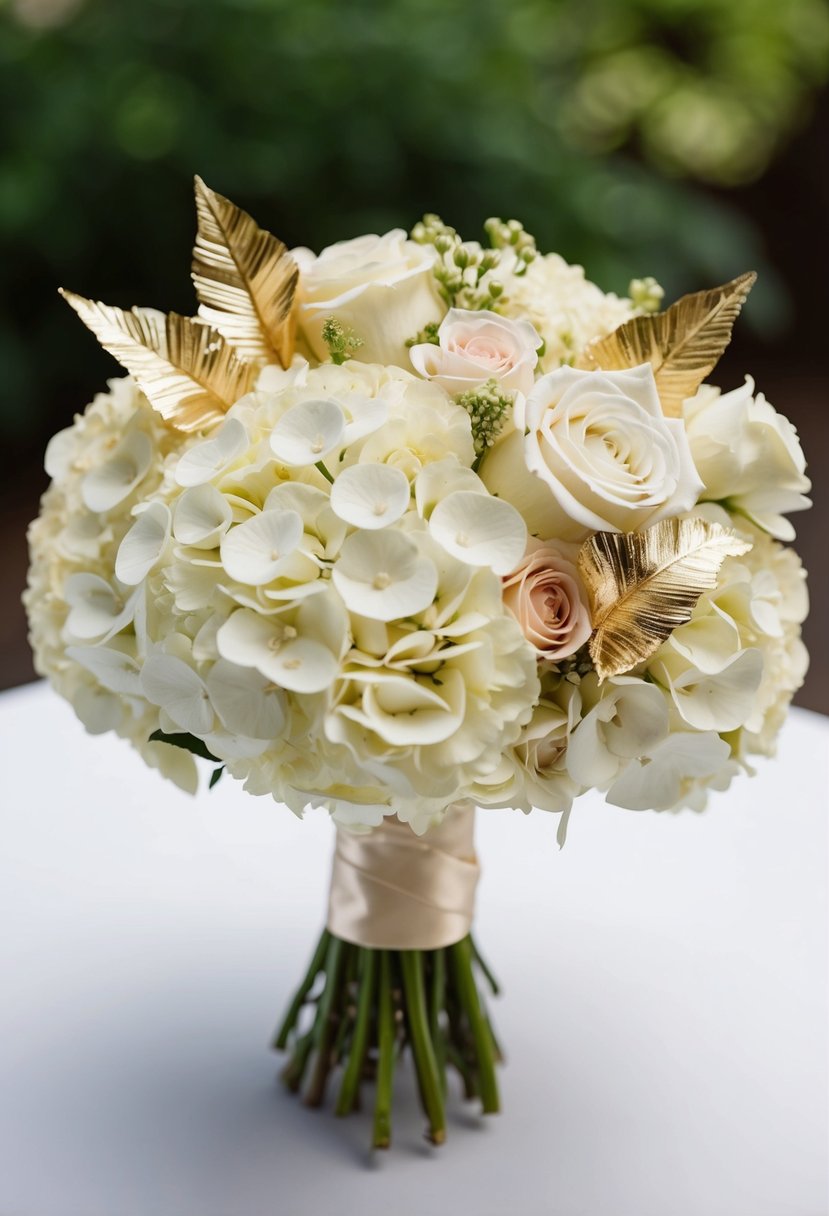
column 395, row 969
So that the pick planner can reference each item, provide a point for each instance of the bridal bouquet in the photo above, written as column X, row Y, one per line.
column 409, row 527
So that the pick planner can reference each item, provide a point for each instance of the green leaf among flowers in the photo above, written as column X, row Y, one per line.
column 189, row 743
column 194, row 745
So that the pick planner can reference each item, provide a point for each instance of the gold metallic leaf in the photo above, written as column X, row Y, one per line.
column 245, row 280
column 683, row 343
column 642, row 585
column 188, row 371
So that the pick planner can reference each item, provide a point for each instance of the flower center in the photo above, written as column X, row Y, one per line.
column 288, row 634
column 382, row 580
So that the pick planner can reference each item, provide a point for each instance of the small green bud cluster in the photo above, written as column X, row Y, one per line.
column 486, row 407
column 510, row 234
column 342, row 342
column 461, row 266
column 646, row 294
column 429, row 333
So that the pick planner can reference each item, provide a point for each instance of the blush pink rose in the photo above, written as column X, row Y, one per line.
column 546, row 597
column 474, row 347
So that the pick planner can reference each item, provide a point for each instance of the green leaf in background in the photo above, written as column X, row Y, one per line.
column 600, row 128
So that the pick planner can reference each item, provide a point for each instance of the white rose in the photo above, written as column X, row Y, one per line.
column 533, row 773
column 747, row 455
column 602, row 455
column 474, row 347
column 381, row 287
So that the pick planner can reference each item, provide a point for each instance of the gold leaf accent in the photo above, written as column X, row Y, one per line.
column 642, row 585
column 188, row 371
column 245, row 280
column 683, row 343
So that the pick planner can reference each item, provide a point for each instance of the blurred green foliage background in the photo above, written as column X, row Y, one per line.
column 678, row 138
column 599, row 123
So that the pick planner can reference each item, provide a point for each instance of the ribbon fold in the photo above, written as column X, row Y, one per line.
column 393, row 890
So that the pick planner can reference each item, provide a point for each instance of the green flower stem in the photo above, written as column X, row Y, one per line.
column 411, row 962
column 494, row 986
column 359, row 1040
column 280, row 1041
column 461, row 954
column 372, row 1005
column 326, row 1022
column 470, row 1084
column 436, row 1004
column 385, row 1064
column 294, row 1070
column 496, row 1046
column 348, row 1001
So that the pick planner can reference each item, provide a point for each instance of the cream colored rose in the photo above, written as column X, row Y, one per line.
column 533, row 773
column 474, row 347
column 381, row 287
column 546, row 596
column 748, row 455
column 601, row 454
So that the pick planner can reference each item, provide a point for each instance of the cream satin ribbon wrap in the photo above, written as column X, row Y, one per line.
column 393, row 890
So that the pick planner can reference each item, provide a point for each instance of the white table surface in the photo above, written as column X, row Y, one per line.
column 664, row 1009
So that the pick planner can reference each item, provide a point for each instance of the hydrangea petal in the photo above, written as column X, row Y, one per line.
column 176, row 688
column 654, row 782
column 246, row 637
column 303, row 665
column 480, row 530
column 437, row 480
column 306, row 433
column 256, row 551
column 275, row 649
column 143, row 545
column 381, row 575
column 718, row 702
column 60, row 453
column 98, row 709
column 367, row 415
column 405, row 712
column 114, row 670
column 202, row 516
column 246, row 701
column 105, row 486
column 210, row 458
column 370, row 495
column 96, row 610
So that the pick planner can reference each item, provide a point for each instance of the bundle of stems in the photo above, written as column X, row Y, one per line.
column 369, row 1006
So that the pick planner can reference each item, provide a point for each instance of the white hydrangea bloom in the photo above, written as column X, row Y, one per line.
column 566, row 309
column 236, row 594
column 82, row 620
